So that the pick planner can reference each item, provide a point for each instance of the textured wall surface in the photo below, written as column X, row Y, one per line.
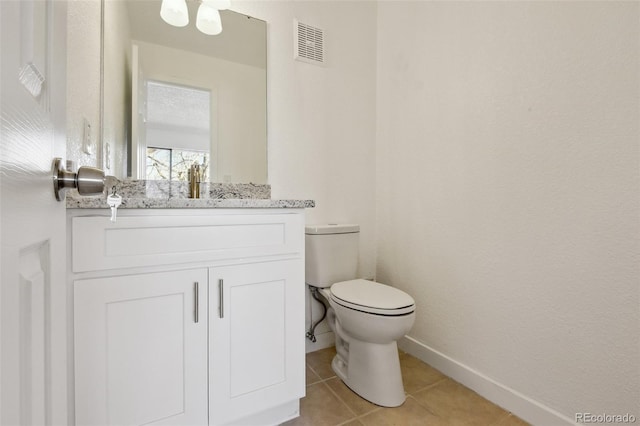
column 507, row 187
column 83, row 78
column 117, row 88
column 321, row 120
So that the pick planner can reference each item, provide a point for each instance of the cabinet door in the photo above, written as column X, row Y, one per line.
column 256, row 341
column 140, row 349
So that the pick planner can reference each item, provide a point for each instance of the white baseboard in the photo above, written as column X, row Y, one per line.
column 507, row 398
column 271, row 416
column 323, row 340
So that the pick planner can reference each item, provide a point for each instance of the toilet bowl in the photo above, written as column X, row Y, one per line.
column 367, row 317
column 366, row 330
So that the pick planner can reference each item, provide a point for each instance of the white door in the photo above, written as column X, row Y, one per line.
column 141, row 349
column 32, row 224
column 256, row 343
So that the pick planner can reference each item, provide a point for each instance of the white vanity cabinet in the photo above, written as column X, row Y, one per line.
column 140, row 355
column 187, row 317
column 250, row 324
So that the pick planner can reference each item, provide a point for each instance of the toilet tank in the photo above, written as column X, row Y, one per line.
column 331, row 254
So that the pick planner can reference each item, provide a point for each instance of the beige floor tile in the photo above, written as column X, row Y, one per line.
column 459, row 405
column 311, row 376
column 409, row 414
column 511, row 420
column 433, row 399
column 417, row 375
column 354, row 422
column 320, row 362
column 357, row 404
column 321, row 408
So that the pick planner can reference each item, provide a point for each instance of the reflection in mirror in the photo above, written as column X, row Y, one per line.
column 172, row 96
column 178, row 130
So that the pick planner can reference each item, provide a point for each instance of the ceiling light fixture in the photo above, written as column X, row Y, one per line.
column 175, row 12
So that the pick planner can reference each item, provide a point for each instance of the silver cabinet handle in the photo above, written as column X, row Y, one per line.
column 221, row 297
column 196, row 303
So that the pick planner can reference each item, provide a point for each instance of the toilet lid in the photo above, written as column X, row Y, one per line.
column 372, row 297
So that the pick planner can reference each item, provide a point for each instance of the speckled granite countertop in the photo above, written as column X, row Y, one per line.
column 138, row 194
column 187, row 203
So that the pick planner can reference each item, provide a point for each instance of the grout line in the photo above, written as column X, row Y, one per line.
column 341, row 400
column 425, row 407
column 506, row 415
column 359, row 417
column 375, row 410
column 432, row 385
column 320, row 379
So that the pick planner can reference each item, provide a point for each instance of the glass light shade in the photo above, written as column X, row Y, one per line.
column 175, row 12
column 218, row 4
column 208, row 20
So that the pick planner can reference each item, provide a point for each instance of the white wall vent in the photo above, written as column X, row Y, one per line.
column 308, row 43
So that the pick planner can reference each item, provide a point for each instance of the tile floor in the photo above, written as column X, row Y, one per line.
column 432, row 399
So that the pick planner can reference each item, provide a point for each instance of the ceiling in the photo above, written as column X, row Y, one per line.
column 243, row 38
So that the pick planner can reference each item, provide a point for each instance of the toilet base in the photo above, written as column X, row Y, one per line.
column 371, row 370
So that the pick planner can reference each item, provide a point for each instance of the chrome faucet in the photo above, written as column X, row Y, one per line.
column 194, row 181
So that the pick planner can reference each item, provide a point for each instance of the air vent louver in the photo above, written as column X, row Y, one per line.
column 308, row 43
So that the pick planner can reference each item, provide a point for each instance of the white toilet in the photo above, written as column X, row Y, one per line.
column 366, row 317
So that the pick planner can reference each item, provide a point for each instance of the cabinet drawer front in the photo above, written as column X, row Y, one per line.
column 135, row 241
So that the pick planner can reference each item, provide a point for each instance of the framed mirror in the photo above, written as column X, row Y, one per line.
column 172, row 96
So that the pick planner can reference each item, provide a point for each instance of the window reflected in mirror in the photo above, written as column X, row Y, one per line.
column 139, row 47
column 176, row 130
column 174, row 164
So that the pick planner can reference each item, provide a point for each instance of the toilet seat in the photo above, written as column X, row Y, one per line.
column 372, row 297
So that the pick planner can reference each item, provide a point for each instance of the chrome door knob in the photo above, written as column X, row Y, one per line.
column 88, row 180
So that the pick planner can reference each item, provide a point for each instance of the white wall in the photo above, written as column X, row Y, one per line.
column 321, row 120
column 507, row 192
column 117, row 88
column 83, row 88
column 83, row 78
